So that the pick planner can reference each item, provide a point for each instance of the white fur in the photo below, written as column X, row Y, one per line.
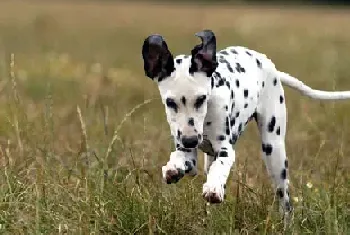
column 265, row 99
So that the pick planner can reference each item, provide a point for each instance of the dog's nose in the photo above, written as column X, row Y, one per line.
column 190, row 141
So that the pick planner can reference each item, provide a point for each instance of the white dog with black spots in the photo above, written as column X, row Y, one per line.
column 209, row 99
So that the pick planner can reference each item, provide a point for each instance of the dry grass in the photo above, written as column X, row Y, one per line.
column 77, row 157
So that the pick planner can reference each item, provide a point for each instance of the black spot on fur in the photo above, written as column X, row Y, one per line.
column 278, row 131
column 171, row 104
column 212, row 82
column 281, row 99
column 267, row 149
column 232, row 95
column 233, row 121
column 248, row 53
column 228, row 84
column 237, row 114
column 226, row 107
column 286, row 164
column 245, row 93
column 208, row 123
column 237, row 83
column 183, row 100
column 240, row 127
column 227, row 123
column 233, row 139
column 263, row 84
column 224, row 52
column 191, row 121
column 271, row 124
column 233, row 51
column 199, row 101
column 222, row 59
column 245, row 106
column 178, row 61
column 284, row 174
column 178, row 133
column 194, row 162
column 258, row 63
column 239, row 68
column 221, row 138
column 229, row 67
column 221, row 82
column 275, row 81
column 280, row 193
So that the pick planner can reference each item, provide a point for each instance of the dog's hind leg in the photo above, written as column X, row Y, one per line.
column 271, row 119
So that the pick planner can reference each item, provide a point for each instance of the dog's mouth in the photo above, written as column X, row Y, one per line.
column 187, row 150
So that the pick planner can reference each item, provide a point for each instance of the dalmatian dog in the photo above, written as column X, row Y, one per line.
column 209, row 99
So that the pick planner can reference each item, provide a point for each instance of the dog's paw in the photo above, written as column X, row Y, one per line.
column 177, row 167
column 213, row 193
column 172, row 174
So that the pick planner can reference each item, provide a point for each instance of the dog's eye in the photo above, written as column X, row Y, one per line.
column 171, row 104
column 199, row 101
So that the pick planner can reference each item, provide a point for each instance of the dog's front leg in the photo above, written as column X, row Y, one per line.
column 214, row 188
column 182, row 161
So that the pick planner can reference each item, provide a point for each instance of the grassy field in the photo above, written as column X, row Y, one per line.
column 83, row 133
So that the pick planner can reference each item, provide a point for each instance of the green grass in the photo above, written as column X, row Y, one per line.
column 78, row 77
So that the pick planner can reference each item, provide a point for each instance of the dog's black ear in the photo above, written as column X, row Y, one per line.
column 204, row 54
column 158, row 60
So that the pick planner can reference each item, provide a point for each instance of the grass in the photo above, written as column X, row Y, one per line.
column 83, row 134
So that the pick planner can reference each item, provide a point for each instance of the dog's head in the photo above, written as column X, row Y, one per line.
column 184, row 83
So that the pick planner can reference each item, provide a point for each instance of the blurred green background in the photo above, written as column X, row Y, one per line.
column 83, row 133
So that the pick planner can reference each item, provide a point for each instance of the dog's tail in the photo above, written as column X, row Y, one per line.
column 308, row 91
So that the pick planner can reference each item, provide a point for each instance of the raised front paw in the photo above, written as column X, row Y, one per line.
column 172, row 174
column 213, row 193
column 177, row 167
